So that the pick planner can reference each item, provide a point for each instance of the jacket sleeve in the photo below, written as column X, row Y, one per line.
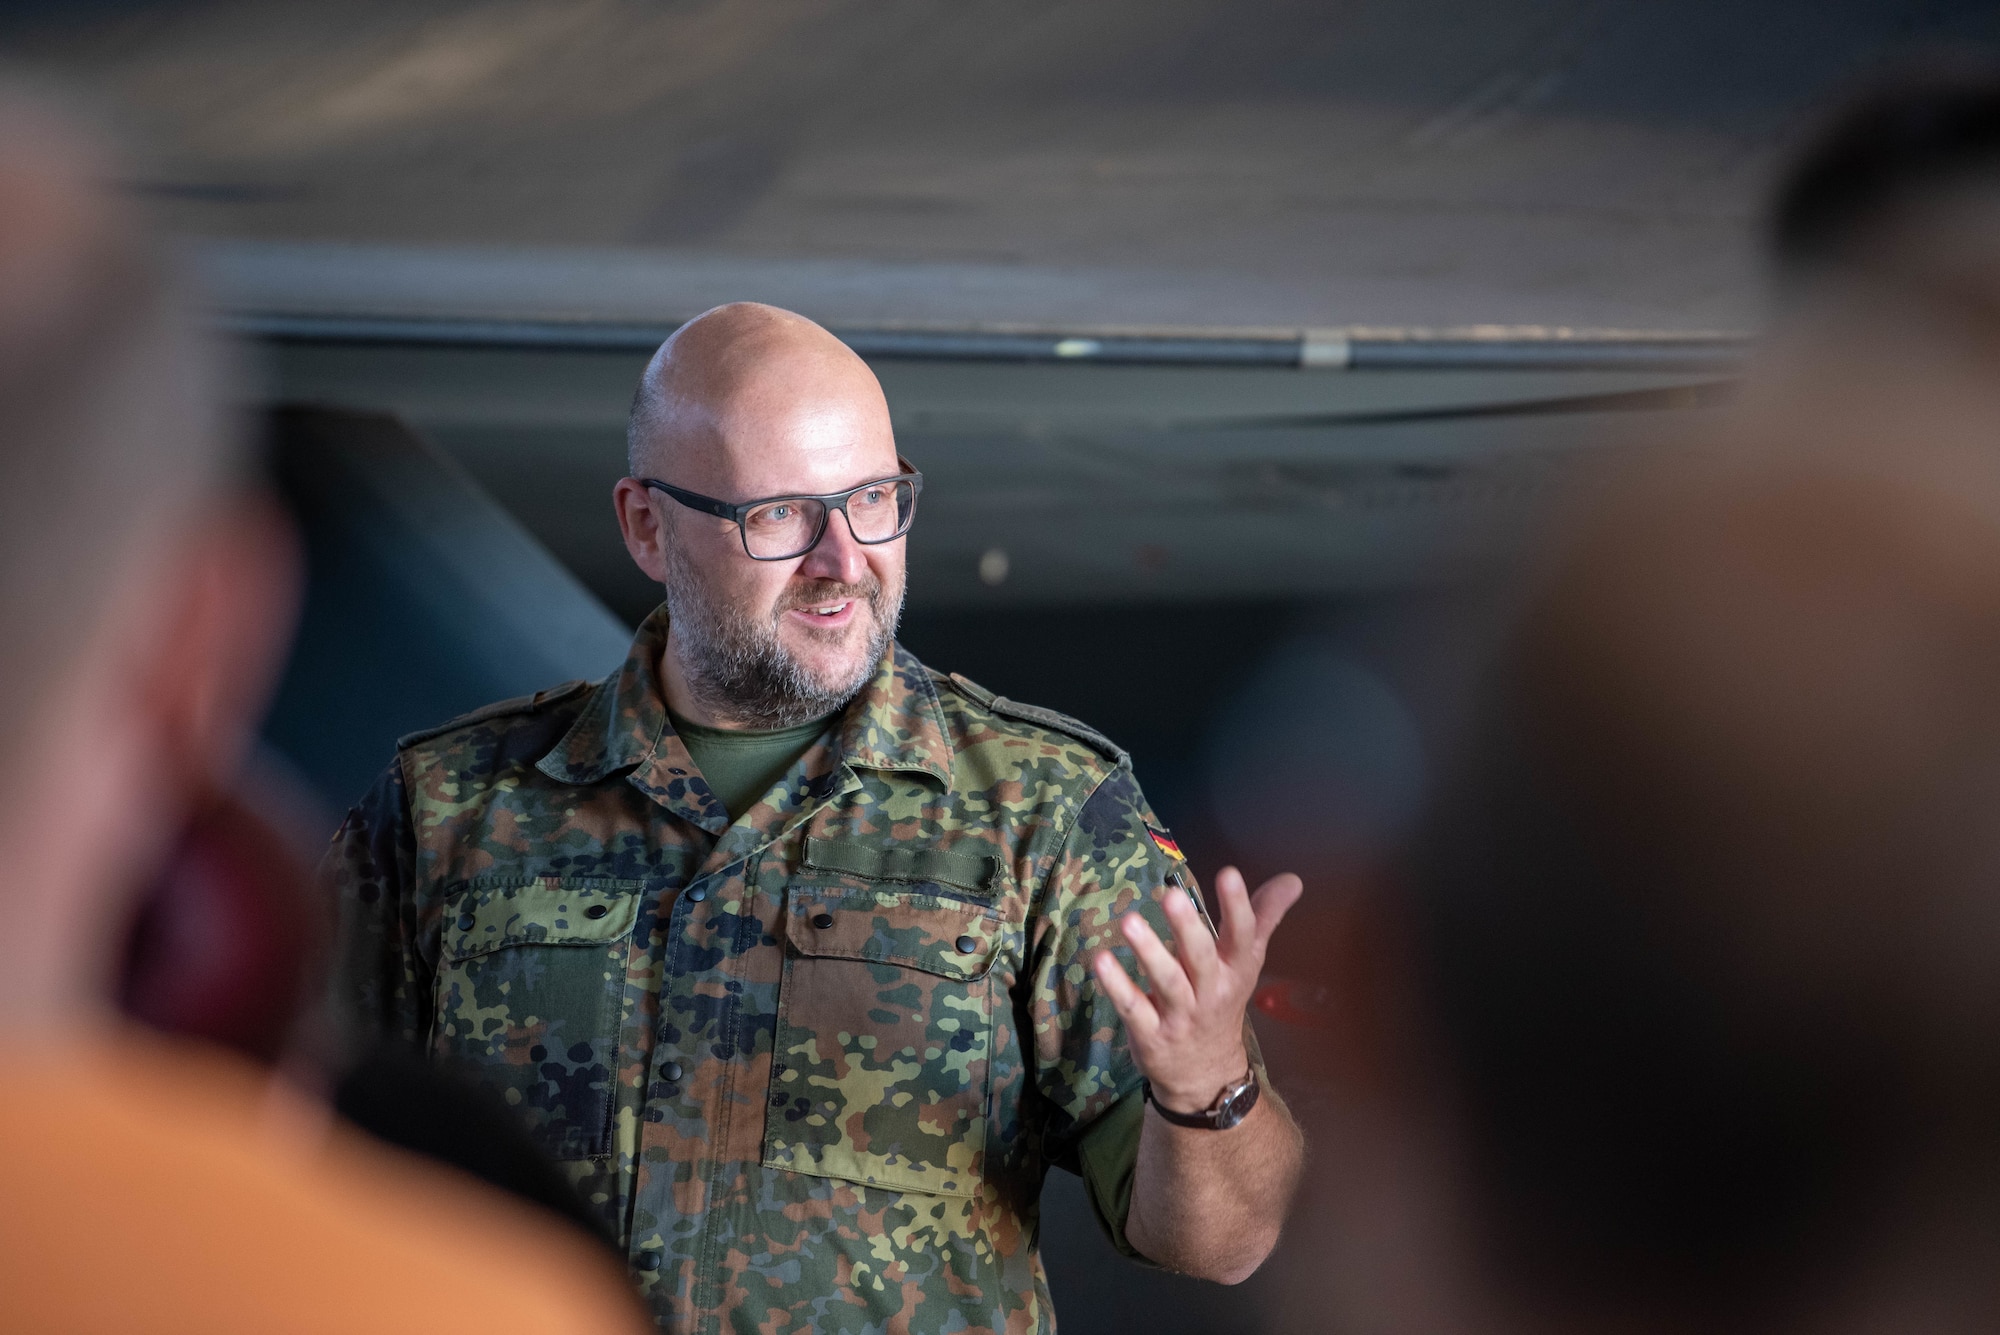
column 1109, row 865
column 382, row 986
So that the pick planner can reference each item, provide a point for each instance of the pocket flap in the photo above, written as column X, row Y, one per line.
column 947, row 937
column 547, row 911
column 974, row 873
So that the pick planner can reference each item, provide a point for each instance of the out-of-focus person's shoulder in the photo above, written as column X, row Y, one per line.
column 153, row 1185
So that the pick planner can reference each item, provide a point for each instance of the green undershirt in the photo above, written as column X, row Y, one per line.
column 740, row 767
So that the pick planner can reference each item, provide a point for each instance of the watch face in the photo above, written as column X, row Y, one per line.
column 1237, row 1106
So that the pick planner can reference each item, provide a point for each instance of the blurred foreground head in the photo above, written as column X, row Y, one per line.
column 142, row 608
column 1706, row 927
column 1903, row 174
column 144, row 602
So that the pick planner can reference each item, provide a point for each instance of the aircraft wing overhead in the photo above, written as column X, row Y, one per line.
column 1172, row 298
column 1395, row 163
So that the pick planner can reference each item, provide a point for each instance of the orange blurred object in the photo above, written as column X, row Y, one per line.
column 169, row 1187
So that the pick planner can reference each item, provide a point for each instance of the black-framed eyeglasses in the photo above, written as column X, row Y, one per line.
column 778, row 528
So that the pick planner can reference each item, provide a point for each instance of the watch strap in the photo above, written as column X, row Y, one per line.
column 1230, row 1107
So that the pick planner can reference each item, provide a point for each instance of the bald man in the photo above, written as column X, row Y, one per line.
column 806, row 960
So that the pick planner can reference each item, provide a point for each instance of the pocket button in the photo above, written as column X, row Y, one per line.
column 966, row 944
column 822, row 920
column 597, row 910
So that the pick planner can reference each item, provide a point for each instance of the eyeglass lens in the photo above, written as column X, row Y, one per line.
column 790, row 527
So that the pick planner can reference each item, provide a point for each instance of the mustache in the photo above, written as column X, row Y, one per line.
column 820, row 592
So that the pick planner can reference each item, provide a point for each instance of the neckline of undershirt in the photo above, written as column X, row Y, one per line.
column 702, row 732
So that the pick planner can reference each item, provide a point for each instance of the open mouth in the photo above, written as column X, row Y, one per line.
column 835, row 613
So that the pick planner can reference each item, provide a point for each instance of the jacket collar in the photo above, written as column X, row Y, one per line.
column 895, row 723
column 624, row 717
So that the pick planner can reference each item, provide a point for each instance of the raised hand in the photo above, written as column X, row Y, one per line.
column 1187, row 1034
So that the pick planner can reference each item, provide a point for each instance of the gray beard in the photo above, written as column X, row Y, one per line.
column 737, row 669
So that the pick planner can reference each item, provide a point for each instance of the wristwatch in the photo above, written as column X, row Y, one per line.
column 1230, row 1107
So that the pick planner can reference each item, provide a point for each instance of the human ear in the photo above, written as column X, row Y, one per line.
column 640, row 525
column 229, row 604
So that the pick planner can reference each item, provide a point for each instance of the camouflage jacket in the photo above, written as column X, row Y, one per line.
column 814, row 1064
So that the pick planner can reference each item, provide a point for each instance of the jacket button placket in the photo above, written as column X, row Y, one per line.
column 667, row 1112
column 677, row 984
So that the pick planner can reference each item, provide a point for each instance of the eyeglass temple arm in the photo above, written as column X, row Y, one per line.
column 695, row 500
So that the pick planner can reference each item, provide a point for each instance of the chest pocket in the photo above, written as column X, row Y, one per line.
column 881, row 1066
column 530, row 987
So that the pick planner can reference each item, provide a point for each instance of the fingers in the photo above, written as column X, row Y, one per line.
column 1273, row 901
column 1239, row 924
column 1171, row 988
column 1192, row 939
column 1126, row 998
column 1249, row 920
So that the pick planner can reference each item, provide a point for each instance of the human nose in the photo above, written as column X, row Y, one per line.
column 837, row 556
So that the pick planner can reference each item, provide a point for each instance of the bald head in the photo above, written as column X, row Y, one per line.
column 751, row 403
column 730, row 377
column 144, row 607
column 104, row 392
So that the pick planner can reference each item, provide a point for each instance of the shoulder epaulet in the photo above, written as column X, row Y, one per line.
column 1040, row 717
column 520, row 704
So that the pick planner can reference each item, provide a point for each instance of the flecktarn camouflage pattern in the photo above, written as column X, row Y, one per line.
column 812, row 1065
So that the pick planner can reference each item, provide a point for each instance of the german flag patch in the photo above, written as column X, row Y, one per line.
column 1167, row 844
